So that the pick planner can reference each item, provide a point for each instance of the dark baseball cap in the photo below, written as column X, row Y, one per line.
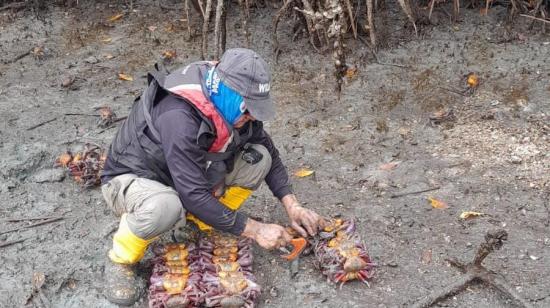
column 246, row 72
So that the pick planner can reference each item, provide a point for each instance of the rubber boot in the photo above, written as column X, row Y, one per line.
column 233, row 198
column 122, row 286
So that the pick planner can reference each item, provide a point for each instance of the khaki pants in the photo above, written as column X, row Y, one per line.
column 154, row 208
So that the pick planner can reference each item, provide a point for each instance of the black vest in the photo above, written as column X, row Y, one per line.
column 133, row 148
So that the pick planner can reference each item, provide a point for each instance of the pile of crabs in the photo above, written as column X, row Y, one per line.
column 216, row 269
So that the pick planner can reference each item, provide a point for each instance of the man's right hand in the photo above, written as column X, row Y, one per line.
column 268, row 236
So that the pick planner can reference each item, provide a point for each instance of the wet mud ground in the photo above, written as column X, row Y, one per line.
column 492, row 158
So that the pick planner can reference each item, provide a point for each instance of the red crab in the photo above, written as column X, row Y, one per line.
column 341, row 255
column 228, row 279
column 85, row 167
column 175, row 281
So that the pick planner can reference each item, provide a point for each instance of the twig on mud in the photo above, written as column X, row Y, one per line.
column 27, row 218
column 414, row 192
column 5, row 244
column 82, row 114
column 375, row 55
column 19, row 57
column 41, row 123
column 14, row 5
column 475, row 271
column 535, row 18
column 33, row 225
column 452, row 91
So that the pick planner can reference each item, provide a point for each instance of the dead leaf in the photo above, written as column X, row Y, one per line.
column 67, row 81
column 38, row 280
column 426, row 256
column 106, row 40
column 71, row 284
column 125, row 77
column 109, row 56
column 303, row 172
column 404, row 131
column 351, row 72
column 169, row 54
column 437, row 204
column 389, row 166
column 116, row 17
column 170, row 28
column 470, row 214
column 472, row 80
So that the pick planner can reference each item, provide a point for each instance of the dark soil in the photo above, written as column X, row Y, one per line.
column 494, row 157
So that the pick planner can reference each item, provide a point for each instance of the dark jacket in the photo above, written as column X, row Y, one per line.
column 176, row 155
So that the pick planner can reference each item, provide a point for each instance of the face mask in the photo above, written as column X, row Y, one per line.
column 229, row 103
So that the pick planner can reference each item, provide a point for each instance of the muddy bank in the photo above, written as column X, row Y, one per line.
column 492, row 158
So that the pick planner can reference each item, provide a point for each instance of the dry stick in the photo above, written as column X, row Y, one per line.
column 82, row 114
column 205, row 28
column 351, row 18
column 278, row 16
column 406, row 6
column 217, row 25
column 224, row 29
column 28, row 219
column 309, row 22
column 186, row 11
column 440, row 294
column 537, row 6
column 15, row 5
column 19, row 57
column 32, row 225
column 456, row 9
column 505, row 287
column 432, row 4
column 475, row 271
column 201, row 8
column 244, row 20
column 452, row 91
column 41, row 123
column 370, row 19
column 5, row 244
column 536, row 18
column 375, row 55
column 414, row 192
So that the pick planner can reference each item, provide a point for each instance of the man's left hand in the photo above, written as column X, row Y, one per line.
column 304, row 221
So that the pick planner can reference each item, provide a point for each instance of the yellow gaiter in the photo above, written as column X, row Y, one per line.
column 233, row 198
column 128, row 248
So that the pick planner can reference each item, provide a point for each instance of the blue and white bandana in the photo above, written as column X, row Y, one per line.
column 229, row 103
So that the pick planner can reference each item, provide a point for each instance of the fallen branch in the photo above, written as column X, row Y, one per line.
column 535, row 18
column 28, row 218
column 475, row 271
column 414, row 192
column 8, row 243
column 14, row 5
column 19, row 57
column 82, row 114
column 41, row 123
column 453, row 91
column 32, row 225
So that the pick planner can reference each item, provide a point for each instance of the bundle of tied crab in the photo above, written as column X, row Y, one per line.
column 176, row 277
column 86, row 166
column 340, row 253
column 214, row 272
